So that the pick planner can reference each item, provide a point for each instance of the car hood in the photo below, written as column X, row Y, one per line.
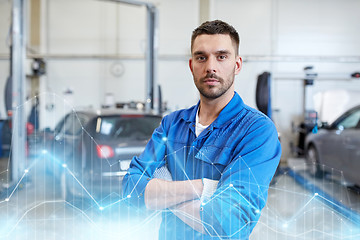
column 314, row 136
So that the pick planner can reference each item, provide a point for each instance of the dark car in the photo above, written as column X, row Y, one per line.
column 91, row 150
column 336, row 148
column 6, row 136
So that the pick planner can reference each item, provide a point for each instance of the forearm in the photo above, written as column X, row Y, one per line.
column 161, row 194
column 189, row 213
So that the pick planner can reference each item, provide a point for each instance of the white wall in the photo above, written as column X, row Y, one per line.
column 5, row 19
column 267, row 27
column 109, row 29
column 293, row 28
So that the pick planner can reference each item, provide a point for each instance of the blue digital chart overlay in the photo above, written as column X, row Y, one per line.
column 38, row 205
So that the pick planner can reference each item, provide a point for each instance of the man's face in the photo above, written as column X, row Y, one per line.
column 214, row 64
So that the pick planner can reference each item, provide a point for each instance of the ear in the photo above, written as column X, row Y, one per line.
column 238, row 65
column 190, row 65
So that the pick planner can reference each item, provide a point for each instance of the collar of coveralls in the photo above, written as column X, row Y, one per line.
column 227, row 114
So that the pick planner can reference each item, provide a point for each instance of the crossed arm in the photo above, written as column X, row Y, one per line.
column 161, row 194
column 239, row 198
column 181, row 197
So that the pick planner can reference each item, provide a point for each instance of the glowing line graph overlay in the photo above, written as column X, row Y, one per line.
column 44, row 152
column 131, row 229
column 294, row 213
column 326, row 198
column 285, row 223
column 315, row 220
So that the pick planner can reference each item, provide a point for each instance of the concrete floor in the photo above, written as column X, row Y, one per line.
column 36, row 210
column 292, row 212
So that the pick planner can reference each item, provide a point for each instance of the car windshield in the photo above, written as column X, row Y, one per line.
column 135, row 127
column 351, row 121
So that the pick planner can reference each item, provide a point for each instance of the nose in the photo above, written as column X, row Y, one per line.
column 211, row 65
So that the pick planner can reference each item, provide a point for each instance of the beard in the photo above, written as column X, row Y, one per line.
column 213, row 92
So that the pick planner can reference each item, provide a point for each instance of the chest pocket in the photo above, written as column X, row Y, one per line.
column 213, row 161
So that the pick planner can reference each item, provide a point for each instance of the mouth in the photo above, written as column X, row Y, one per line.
column 211, row 81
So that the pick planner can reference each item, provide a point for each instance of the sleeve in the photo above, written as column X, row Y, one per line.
column 236, row 205
column 142, row 168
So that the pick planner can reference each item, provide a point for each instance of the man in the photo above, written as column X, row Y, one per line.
column 208, row 167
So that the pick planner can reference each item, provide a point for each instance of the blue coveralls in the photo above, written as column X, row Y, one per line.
column 240, row 149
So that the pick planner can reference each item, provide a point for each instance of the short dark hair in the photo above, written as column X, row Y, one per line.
column 216, row 27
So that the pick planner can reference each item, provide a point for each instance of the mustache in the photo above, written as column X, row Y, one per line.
column 211, row 75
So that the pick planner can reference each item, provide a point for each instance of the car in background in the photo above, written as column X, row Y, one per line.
column 6, row 131
column 336, row 148
column 91, row 150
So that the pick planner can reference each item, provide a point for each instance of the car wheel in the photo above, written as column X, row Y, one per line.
column 73, row 193
column 67, row 194
column 313, row 164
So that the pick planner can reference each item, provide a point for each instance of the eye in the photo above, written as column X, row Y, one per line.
column 201, row 58
column 222, row 57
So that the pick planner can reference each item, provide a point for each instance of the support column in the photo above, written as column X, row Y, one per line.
column 34, row 45
column 35, row 13
column 205, row 10
column 151, row 59
column 18, row 90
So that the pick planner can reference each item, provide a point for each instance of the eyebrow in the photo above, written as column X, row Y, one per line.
column 198, row 53
column 217, row 52
column 223, row 52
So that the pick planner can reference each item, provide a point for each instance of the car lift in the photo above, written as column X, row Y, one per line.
column 15, row 94
column 152, row 93
column 310, row 116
